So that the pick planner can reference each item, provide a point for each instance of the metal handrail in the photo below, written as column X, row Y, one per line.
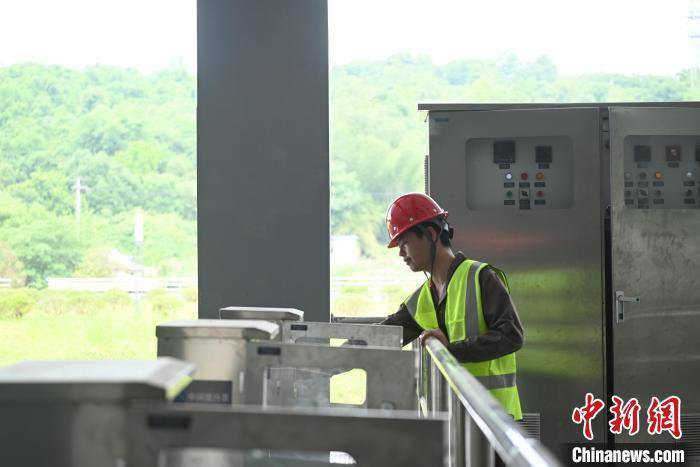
column 502, row 432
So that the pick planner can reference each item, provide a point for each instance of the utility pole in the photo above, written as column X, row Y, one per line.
column 138, row 245
column 79, row 188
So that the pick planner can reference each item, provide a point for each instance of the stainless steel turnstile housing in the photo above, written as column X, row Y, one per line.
column 75, row 413
column 242, row 361
column 218, row 350
column 587, row 207
column 116, row 413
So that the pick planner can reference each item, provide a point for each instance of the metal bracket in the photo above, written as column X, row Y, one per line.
column 620, row 300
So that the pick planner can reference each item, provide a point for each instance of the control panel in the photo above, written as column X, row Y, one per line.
column 524, row 173
column 661, row 172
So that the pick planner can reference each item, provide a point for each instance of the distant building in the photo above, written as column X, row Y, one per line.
column 344, row 249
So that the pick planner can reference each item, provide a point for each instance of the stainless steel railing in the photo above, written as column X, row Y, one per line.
column 478, row 424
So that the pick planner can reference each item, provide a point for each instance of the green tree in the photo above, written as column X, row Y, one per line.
column 45, row 243
column 11, row 267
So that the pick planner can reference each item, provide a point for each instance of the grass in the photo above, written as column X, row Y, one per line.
column 81, row 326
column 58, row 325
column 102, row 334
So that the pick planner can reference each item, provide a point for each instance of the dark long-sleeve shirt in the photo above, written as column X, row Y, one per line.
column 505, row 331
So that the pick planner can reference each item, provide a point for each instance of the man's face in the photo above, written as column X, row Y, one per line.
column 415, row 251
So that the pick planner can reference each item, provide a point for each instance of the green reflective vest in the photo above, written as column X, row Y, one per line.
column 464, row 318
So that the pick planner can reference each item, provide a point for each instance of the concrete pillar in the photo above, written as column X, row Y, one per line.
column 262, row 155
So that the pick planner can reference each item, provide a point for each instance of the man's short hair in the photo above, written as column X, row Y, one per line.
column 439, row 225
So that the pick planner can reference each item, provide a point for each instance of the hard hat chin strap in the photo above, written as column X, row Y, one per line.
column 444, row 229
column 433, row 252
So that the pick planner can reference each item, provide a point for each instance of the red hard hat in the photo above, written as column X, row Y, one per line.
column 409, row 210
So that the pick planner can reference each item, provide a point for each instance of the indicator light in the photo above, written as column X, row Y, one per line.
column 509, row 176
column 689, row 174
column 540, row 194
column 658, row 175
column 523, row 176
column 628, row 175
column 539, row 176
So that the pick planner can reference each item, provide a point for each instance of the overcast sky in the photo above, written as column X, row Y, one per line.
column 626, row 36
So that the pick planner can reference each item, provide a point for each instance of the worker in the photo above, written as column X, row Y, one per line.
column 463, row 303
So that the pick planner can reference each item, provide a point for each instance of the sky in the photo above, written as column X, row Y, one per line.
column 146, row 34
column 620, row 36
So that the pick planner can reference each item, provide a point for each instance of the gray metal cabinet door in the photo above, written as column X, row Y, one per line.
column 552, row 253
column 656, row 259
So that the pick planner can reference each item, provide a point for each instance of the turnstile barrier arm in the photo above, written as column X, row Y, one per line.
column 372, row 438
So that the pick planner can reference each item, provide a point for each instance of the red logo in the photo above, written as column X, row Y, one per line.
column 624, row 416
column 587, row 413
column 662, row 416
column 665, row 416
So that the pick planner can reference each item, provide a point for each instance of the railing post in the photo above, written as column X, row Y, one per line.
column 456, row 429
column 477, row 449
column 424, row 380
column 498, row 427
column 436, row 391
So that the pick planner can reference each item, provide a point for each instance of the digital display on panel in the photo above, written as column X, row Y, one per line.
column 543, row 154
column 673, row 153
column 504, row 152
column 642, row 153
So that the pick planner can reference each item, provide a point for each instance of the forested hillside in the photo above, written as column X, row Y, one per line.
column 131, row 140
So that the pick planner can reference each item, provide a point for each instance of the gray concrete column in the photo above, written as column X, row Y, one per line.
column 262, row 155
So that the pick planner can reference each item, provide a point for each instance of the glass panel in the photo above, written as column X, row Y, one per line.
column 98, row 213
column 412, row 51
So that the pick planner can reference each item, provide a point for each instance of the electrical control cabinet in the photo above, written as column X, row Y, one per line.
column 519, row 173
column 661, row 172
column 592, row 212
column 548, row 244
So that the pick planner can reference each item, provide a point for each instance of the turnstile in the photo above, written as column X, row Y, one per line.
column 218, row 350
column 286, row 374
column 241, row 363
column 106, row 414
column 592, row 211
column 294, row 329
column 75, row 413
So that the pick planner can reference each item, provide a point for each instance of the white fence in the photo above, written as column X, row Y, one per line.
column 373, row 282
column 125, row 284
column 144, row 284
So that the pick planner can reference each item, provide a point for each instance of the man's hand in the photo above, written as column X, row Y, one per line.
column 434, row 333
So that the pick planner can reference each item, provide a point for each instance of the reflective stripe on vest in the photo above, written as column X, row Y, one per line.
column 472, row 318
column 497, row 381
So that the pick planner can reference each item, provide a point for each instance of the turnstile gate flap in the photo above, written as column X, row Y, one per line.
column 104, row 380
column 271, row 314
column 219, row 329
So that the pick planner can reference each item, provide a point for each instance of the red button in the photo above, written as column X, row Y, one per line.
column 540, row 194
column 523, row 176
